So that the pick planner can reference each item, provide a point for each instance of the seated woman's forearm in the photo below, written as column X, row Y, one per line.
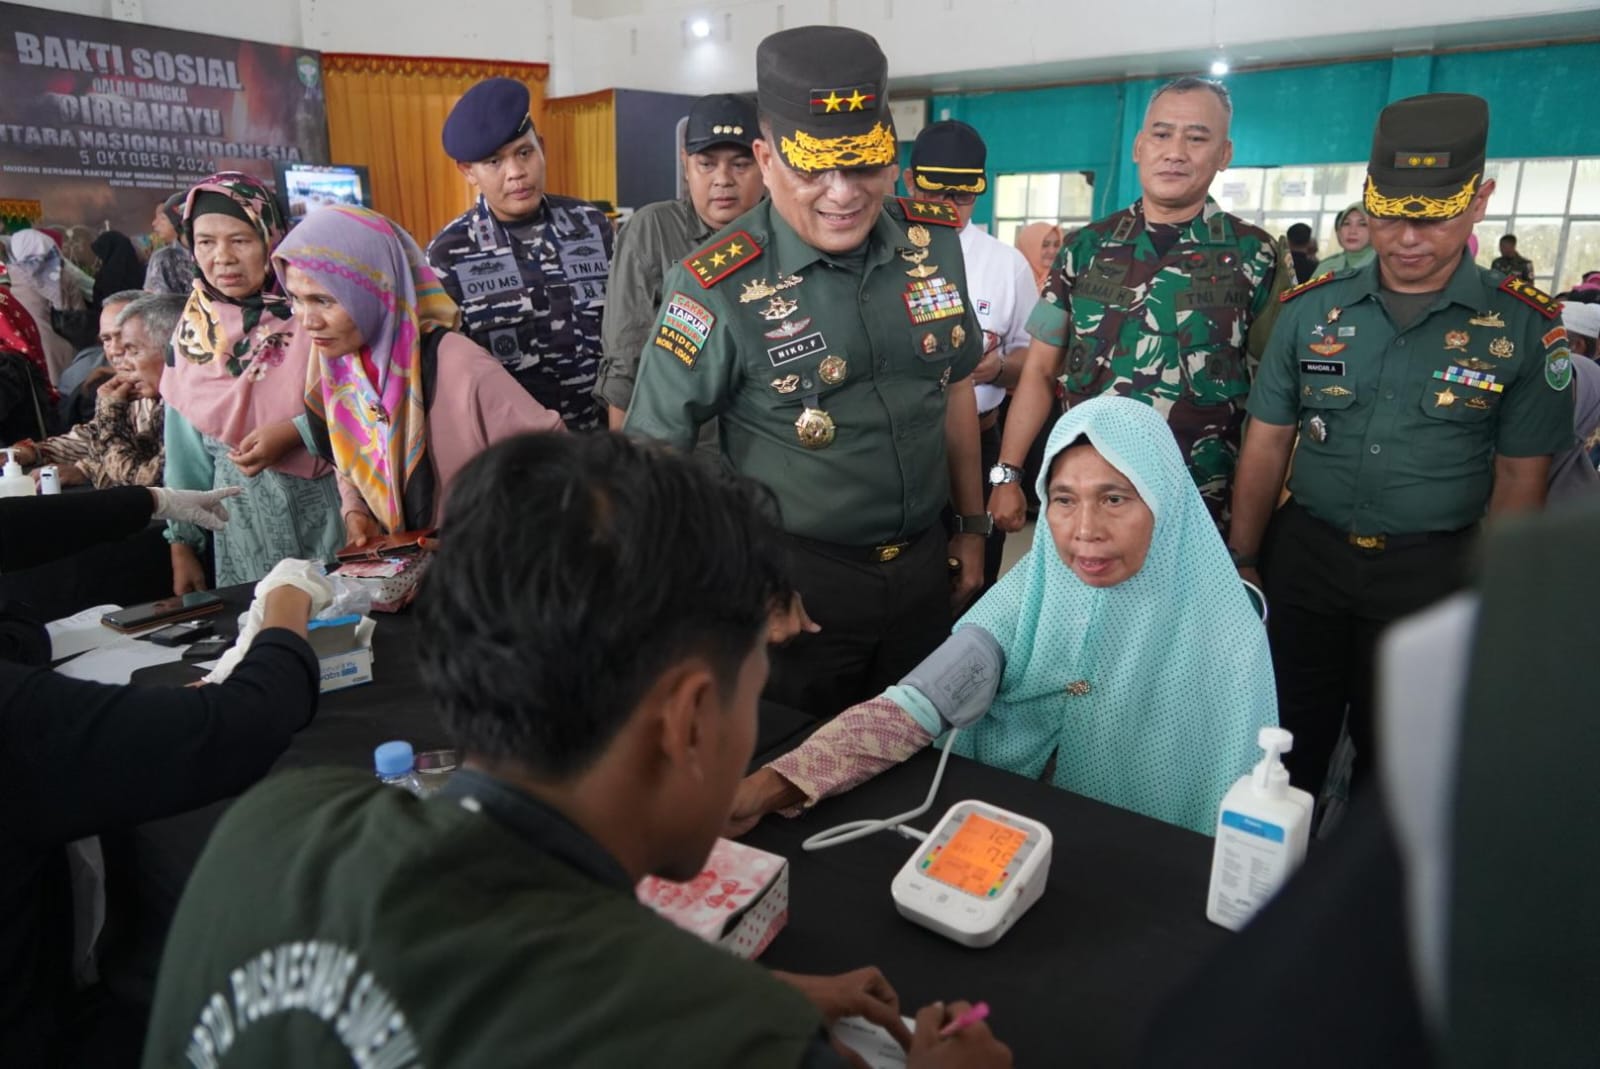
column 850, row 749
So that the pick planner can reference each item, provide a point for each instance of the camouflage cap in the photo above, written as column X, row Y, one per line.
column 823, row 91
column 1427, row 157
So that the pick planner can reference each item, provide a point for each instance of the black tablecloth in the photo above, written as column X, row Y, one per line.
column 1077, row 981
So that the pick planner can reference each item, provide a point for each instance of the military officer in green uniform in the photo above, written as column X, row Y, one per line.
column 830, row 333
column 1425, row 392
column 1159, row 302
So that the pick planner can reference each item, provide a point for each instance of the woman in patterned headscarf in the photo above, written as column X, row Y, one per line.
column 171, row 268
column 399, row 400
column 1122, row 654
column 233, row 388
column 27, row 400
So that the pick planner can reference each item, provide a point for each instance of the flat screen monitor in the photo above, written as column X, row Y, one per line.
column 305, row 187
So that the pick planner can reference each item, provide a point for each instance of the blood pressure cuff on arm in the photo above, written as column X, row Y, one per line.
column 955, row 684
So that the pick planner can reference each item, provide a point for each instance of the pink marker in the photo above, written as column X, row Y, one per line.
column 971, row 1017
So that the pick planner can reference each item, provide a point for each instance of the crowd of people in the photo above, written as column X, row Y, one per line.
column 764, row 443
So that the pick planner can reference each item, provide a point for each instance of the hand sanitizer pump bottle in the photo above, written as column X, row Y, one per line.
column 1262, row 830
column 13, row 481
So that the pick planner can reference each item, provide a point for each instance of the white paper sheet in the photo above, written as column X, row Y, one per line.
column 82, row 631
column 116, row 661
column 875, row 1045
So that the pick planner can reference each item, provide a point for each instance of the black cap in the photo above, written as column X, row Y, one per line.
column 1427, row 157
column 949, row 157
column 720, row 119
column 487, row 116
column 823, row 89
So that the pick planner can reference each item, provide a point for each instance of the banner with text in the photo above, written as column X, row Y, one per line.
column 100, row 120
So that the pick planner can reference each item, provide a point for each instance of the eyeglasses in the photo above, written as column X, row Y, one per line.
column 962, row 199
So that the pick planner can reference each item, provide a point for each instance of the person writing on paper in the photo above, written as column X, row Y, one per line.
column 399, row 400
column 85, row 758
column 1121, row 658
column 593, row 631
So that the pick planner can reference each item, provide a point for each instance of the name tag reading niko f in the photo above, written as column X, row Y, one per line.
column 979, row 871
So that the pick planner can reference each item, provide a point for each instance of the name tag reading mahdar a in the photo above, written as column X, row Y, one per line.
column 489, row 276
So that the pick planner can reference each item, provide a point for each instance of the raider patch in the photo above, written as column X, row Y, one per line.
column 716, row 262
column 690, row 318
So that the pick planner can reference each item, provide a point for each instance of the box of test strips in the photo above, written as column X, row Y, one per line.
column 740, row 901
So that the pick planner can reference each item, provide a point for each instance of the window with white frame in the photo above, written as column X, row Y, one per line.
column 1551, row 205
column 1065, row 199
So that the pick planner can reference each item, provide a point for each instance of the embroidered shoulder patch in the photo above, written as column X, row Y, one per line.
column 1532, row 296
column 685, row 326
column 929, row 211
column 717, row 261
column 1309, row 284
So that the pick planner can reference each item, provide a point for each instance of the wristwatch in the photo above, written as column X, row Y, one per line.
column 1003, row 473
column 981, row 524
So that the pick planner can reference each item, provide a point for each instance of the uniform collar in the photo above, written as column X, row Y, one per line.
column 1210, row 227
column 700, row 231
column 791, row 253
column 1464, row 288
column 540, row 825
column 481, row 210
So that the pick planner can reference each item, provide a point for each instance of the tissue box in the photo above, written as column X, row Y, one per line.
column 739, row 902
column 344, row 651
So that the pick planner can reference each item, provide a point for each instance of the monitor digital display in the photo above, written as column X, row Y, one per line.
column 304, row 187
column 975, row 859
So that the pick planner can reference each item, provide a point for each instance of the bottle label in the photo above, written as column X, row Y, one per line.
column 1251, row 826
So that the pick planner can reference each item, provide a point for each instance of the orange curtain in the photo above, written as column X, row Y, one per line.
column 580, row 144
column 386, row 112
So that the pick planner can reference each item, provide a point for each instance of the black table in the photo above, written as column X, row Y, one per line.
column 1121, row 924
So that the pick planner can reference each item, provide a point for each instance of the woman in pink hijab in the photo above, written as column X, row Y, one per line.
column 1039, row 242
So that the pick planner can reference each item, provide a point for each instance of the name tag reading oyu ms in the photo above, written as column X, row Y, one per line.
column 488, row 276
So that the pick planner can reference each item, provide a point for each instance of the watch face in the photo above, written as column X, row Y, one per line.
column 999, row 474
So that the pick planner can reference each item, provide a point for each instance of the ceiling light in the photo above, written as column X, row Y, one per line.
column 1219, row 67
column 700, row 28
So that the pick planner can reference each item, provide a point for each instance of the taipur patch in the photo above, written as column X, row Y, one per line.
column 690, row 317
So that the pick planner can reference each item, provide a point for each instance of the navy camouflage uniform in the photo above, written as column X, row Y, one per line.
column 533, row 293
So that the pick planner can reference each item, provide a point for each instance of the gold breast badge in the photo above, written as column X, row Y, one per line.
column 814, row 427
column 1457, row 340
column 921, row 239
column 787, row 384
column 1444, row 398
column 832, row 370
column 958, row 336
column 1488, row 319
column 777, row 308
column 1502, row 348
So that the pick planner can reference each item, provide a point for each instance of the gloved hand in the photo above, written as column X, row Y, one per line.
column 303, row 575
column 204, row 508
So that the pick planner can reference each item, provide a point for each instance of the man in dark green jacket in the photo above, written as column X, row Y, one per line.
column 594, row 633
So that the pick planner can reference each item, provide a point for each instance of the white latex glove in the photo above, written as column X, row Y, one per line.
column 303, row 575
column 204, row 508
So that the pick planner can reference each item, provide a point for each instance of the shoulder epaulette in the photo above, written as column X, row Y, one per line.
column 722, row 258
column 1532, row 296
column 1309, row 284
column 929, row 211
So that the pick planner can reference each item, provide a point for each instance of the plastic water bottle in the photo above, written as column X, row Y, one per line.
column 396, row 765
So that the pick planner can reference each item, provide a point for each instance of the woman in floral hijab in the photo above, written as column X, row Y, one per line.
column 234, row 388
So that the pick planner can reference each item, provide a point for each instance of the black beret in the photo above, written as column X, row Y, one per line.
column 487, row 116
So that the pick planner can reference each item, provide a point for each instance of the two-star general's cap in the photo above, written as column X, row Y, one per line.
column 490, row 114
column 720, row 119
column 823, row 89
column 1427, row 157
column 949, row 157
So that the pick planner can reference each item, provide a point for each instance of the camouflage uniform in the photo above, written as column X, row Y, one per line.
column 1168, row 329
column 532, row 294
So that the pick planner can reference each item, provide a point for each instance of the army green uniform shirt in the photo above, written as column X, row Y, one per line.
column 760, row 330
column 1168, row 328
column 1399, row 428
column 649, row 244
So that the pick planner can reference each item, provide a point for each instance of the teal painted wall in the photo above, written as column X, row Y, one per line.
column 1323, row 114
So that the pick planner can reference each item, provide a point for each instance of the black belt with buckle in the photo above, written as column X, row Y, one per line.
column 879, row 554
column 1381, row 542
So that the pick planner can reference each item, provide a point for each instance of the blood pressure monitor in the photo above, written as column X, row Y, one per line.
column 978, row 871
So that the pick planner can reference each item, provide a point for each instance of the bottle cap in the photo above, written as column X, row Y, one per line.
column 393, row 758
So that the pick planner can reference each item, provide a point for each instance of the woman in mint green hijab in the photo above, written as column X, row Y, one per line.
column 1121, row 657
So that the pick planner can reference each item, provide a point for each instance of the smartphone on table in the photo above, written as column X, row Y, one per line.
column 165, row 611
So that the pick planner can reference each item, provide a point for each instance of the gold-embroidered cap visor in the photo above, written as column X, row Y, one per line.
column 1416, row 204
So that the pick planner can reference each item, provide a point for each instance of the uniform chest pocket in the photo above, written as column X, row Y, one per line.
column 939, row 341
column 1454, row 403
